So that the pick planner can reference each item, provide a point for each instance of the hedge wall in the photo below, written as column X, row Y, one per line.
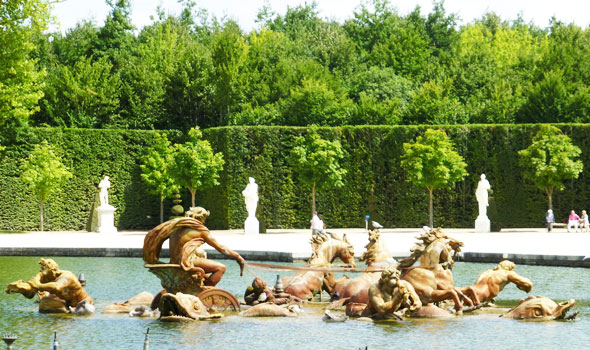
column 377, row 186
column 90, row 155
column 375, row 183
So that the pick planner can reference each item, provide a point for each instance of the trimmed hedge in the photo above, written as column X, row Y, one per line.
column 374, row 185
column 90, row 155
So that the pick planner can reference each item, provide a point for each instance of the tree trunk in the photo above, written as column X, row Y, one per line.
column 550, row 196
column 313, row 199
column 161, row 209
column 430, row 208
column 193, row 193
column 41, row 210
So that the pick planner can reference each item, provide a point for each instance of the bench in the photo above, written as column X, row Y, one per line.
column 558, row 224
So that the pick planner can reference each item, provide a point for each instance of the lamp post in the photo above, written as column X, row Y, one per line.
column 9, row 338
column 146, row 342
column 55, row 342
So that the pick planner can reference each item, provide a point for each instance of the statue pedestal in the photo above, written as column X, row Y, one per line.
column 106, row 219
column 482, row 224
column 251, row 226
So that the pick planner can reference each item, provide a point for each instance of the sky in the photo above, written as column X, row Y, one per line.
column 69, row 12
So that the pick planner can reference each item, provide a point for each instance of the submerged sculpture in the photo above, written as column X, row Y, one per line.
column 59, row 290
column 304, row 285
column 259, row 293
column 541, row 309
column 390, row 294
column 491, row 282
column 429, row 269
column 189, row 271
column 355, row 290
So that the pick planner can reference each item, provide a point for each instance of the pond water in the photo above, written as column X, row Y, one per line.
column 112, row 280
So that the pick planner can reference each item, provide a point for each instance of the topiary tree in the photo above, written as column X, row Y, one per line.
column 550, row 160
column 155, row 170
column 43, row 172
column 432, row 162
column 195, row 166
column 317, row 161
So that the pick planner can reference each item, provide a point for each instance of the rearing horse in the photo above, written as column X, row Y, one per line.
column 326, row 249
column 429, row 269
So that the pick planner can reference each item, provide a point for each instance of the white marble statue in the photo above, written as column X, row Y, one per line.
column 481, row 193
column 104, row 186
column 482, row 223
column 250, row 194
column 105, row 212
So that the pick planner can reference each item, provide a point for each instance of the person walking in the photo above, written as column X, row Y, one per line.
column 549, row 220
column 317, row 226
column 573, row 221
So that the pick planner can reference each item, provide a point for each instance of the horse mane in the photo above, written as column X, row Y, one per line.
column 318, row 240
column 371, row 247
column 423, row 241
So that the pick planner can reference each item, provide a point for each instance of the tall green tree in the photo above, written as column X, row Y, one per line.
column 195, row 166
column 21, row 83
column 155, row 170
column 550, row 160
column 317, row 161
column 85, row 95
column 43, row 172
column 433, row 162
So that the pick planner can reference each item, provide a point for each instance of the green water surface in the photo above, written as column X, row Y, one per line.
column 112, row 280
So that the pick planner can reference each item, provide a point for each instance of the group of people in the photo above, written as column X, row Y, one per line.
column 574, row 222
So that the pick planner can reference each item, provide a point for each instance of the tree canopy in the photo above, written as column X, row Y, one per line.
column 433, row 162
column 379, row 66
column 43, row 172
column 550, row 160
column 317, row 162
column 195, row 165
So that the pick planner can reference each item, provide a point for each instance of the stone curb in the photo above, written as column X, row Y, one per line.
column 137, row 253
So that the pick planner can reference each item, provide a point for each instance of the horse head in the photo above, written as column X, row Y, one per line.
column 433, row 248
column 327, row 248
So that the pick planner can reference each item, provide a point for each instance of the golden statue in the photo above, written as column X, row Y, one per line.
column 58, row 290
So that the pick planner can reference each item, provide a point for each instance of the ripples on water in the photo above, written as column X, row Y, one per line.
column 112, row 280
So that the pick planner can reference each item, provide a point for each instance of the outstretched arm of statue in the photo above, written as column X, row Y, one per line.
column 21, row 287
column 522, row 283
column 225, row 251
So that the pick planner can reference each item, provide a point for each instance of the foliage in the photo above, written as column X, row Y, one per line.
column 433, row 162
column 86, row 95
column 154, row 170
column 43, row 172
column 21, row 81
column 317, row 161
column 195, row 166
column 378, row 67
column 550, row 160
